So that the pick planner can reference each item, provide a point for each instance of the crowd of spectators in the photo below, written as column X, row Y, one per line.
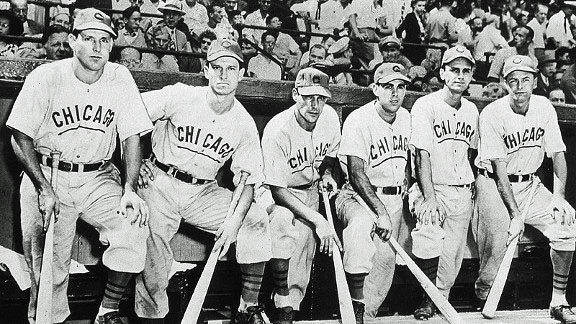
column 347, row 39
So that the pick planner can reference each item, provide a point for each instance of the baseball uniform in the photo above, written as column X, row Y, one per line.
column 446, row 134
column 190, row 143
column 59, row 112
column 522, row 141
column 384, row 149
column 292, row 157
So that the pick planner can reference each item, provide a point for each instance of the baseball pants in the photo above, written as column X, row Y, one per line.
column 491, row 221
column 203, row 206
column 446, row 240
column 293, row 238
column 365, row 252
column 95, row 198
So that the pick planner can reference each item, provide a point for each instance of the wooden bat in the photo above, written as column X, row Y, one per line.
column 197, row 299
column 344, row 299
column 45, row 286
column 495, row 293
column 442, row 303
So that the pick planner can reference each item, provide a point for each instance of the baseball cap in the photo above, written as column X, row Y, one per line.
column 224, row 47
column 547, row 57
column 387, row 72
column 455, row 52
column 171, row 5
column 311, row 81
column 518, row 63
column 389, row 41
column 91, row 18
column 570, row 3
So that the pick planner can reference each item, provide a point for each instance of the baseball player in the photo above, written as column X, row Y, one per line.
column 78, row 106
column 196, row 130
column 299, row 147
column 515, row 133
column 375, row 149
column 444, row 133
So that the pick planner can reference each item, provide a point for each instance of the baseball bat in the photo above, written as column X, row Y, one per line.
column 442, row 303
column 45, row 285
column 344, row 299
column 495, row 293
column 197, row 299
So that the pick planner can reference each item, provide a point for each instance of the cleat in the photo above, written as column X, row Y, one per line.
column 109, row 318
column 426, row 310
column 358, row 311
column 563, row 313
column 252, row 315
column 285, row 315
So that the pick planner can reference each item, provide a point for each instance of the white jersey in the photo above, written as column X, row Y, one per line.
column 293, row 155
column 383, row 146
column 81, row 120
column 520, row 140
column 447, row 134
column 190, row 136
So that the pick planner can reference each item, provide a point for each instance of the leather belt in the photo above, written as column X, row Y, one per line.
column 388, row 190
column 468, row 185
column 180, row 175
column 511, row 177
column 71, row 167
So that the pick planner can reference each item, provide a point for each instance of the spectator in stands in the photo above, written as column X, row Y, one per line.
column 557, row 96
column 196, row 17
column 239, row 5
column 326, row 42
column 62, row 19
column 523, row 36
column 493, row 90
column 131, row 34
column 218, row 21
column 432, row 82
column 568, row 84
column 261, row 66
column 334, row 14
column 258, row 18
column 469, row 37
column 490, row 40
column 546, row 69
column 390, row 48
column 193, row 64
column 286, row 47
column 55, row 42
column 441, row 26
column 20, row 9
column 317, row 55
column 432, row 61
column 556, row 77
column 158, row 37
column 538, row 25
column 367, row 23
column 308, row 14
column 131, row 58
column 9, row 25
column 179, row 33
column 563, row 55
column 559, row 26
column 412, row 30
column 339, row 58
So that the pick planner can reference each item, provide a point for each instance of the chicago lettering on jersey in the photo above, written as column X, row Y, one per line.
column 195, row 136
column 301, row 157
column 384, row 145
column 71, row 115
column 445, row 130
column 529, row 137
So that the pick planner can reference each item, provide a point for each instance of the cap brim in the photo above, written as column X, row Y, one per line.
column 171, row 9
column 223, row 54
column 392, row 77
column 97, row 26
column 521, row 68
column 314, row 90
column 469, row 58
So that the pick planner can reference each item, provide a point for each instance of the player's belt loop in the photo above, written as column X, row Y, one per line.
column 511, row 177
column 391, row 191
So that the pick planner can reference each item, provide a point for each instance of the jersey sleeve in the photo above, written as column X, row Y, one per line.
column 354, row 140
column 476, row 136
column 552, row 137
column 248, row 155
column 132, row 118
column 157, row 101
column 422, row 126
column 275, row 166
column 492, row 143
column 32, row 104
column 334, row 124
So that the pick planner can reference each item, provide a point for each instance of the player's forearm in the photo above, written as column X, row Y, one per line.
column 354, row 26
column 424, row 172
column 285, row 198
column 560, row 172
column 132, row 161
column 505, row 189
column 244, row 202
column 23, row 147
column 363, row 187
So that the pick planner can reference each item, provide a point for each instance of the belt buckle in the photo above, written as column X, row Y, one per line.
column 103, row 164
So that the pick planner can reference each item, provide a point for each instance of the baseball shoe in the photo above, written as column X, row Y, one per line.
column 358, row 311
column 252, row 315
column 285, row 315
column 564, row 314
column 109, row 318
column 426, row 310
